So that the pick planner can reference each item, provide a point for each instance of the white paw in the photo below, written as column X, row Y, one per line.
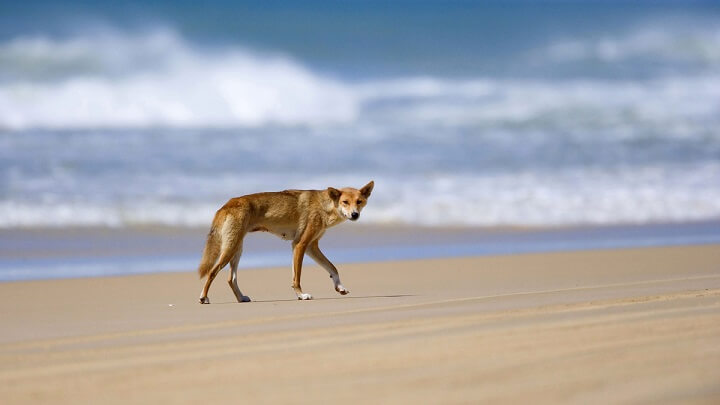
column 304, row 296
column 342, row 290
column 204, row 300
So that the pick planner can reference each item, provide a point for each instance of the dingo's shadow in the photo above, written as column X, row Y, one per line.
column 320, row 299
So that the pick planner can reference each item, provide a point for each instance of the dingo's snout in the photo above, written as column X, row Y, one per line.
column 354, row 216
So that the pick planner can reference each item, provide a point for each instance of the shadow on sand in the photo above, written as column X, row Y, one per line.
column 319, row 299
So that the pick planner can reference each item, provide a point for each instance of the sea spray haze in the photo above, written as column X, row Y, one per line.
column 468, row 113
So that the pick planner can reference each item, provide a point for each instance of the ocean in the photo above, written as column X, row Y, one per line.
column 521, row 113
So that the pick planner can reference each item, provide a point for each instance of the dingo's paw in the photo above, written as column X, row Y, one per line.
column 342, row 290
column 304, row 296
column 204, row 300
column 245, row 298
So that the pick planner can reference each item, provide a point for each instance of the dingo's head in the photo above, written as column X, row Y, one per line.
column 350, row 201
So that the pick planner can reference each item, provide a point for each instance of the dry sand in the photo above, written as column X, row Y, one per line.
column 615, row 326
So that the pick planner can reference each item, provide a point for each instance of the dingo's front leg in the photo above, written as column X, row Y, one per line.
column 298, row 253
column 317, row 255
column 313, row 230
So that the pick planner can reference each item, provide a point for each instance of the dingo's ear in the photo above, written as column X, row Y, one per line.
column 334, row 193
column 365, row 191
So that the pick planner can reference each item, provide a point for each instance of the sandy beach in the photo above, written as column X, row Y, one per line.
column 619, row 326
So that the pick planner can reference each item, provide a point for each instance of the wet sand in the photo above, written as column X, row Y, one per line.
column 619, row 326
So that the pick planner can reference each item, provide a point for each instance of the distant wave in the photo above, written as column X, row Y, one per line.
column 157, row 79
column 663, row 42
column 561, row 105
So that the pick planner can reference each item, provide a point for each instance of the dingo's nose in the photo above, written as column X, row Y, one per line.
column 355, row 215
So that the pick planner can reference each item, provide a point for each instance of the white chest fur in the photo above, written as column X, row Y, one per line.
column 334, row 217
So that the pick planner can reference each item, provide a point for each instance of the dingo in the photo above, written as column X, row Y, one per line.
column 298, row 215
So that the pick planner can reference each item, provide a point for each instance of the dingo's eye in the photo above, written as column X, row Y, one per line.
column 359, row 202
column 346, row 202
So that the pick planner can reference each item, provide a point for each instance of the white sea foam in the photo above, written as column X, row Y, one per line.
column 570, row 197
column 582, row 196
column 157, row 79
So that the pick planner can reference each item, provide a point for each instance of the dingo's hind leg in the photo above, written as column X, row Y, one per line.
column 219, row 265
column 232, row 280
column 232, row 235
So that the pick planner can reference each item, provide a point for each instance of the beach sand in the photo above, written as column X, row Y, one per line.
column 608, row 326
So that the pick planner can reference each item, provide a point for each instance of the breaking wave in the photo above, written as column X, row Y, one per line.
column 158, row 80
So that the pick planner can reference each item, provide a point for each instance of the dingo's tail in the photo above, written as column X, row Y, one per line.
column 211, row 252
